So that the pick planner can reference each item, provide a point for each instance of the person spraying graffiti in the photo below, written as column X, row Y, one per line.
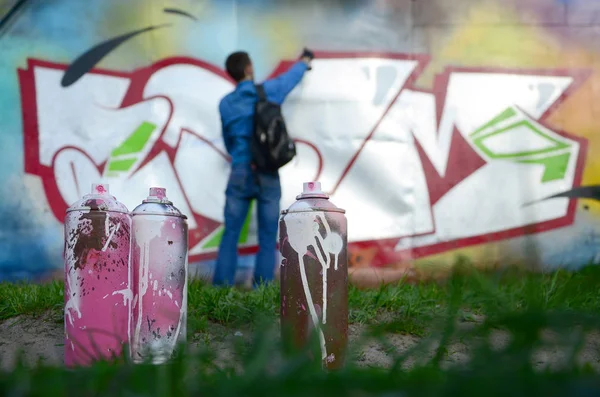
column 257, row 141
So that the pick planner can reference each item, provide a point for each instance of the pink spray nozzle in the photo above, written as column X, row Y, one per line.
column 311, row 187
column 100, row 188
column 158, row 192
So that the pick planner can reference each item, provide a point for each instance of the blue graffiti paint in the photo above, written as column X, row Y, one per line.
column 24, row 250
column 30, row 238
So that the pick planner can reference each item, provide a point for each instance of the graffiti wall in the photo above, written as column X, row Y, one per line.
column 469, row 128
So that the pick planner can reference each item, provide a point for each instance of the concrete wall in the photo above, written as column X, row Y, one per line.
column 444, row 128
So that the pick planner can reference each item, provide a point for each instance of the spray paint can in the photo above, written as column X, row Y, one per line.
column 314, row 274
column 98, row 280
column 159, row 260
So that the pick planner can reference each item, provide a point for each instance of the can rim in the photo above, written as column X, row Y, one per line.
column 151, row 200
column 89, row 209
column 159, row 213
column 303, row 196
column 314, row 209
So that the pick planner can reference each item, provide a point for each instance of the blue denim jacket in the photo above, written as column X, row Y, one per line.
column 237, row 110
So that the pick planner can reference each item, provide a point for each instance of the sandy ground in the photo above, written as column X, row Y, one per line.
column 42, row 338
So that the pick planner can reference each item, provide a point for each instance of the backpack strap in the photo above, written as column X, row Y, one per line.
column 260, row 90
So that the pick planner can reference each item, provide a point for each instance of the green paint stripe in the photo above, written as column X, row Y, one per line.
column 121, row 165
column 508, row 113
column 555, row 166
column 558, row 145
column 246, row 227
column 136, row 141
column 215, row 240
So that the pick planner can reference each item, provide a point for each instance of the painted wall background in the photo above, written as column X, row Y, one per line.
column 443, row 128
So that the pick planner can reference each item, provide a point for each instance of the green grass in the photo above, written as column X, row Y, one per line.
column 30, row 299
column 521, row 304
column 483, row 293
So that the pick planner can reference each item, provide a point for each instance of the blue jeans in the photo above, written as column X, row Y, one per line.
column 244, row 185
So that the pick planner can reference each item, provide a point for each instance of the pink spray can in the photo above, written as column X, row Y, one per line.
column 98, row 280
column 159, row 260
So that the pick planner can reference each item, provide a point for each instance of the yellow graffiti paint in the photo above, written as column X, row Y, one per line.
column 483, row 256
column 279, row 36
column 155, row 45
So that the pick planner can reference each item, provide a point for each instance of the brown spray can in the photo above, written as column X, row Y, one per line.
column 314, row 275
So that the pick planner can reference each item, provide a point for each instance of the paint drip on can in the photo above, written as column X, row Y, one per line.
column 98, row 280
column 314, row 274
column 159, row 259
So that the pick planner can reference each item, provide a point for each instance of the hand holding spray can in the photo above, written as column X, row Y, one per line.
column 159, row 260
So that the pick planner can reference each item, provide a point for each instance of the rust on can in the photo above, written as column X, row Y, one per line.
column 314, row 275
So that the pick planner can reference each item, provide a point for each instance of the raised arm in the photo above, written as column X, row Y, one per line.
column 279, row 87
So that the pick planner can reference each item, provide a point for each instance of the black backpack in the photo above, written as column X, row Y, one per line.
column 271, row 146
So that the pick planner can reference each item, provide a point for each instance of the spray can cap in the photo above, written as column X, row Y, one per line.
column 157, row 195
column 99, row 199
column 157, row 203
column 311, row 199
column 311, row 187
column 312, row 190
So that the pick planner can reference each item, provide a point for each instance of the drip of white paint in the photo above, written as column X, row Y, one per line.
column 325, row 296
column 333, row 244
column 145, row 233
column 131, row 302
column 303, row 232
column 73, row 302
column 105, row 296
column 311, row 305
column 169, row 294
column 325, row 223
column 115, row 229
column 127, row 295
column 324, row 261
column 155, row 285
column 144, row 265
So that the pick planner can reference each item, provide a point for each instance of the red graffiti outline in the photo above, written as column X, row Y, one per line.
column 386, row 253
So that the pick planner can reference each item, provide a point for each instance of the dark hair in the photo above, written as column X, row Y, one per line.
column 236, row 64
